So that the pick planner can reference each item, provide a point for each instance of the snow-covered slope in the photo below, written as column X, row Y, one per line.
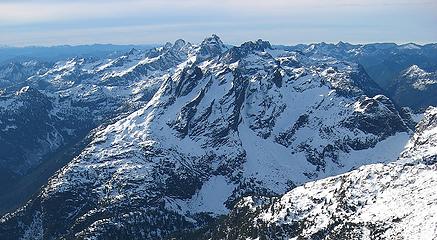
column 423, row 145
column 377, row 201
column 226, row 123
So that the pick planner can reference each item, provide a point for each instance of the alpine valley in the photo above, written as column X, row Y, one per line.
column 213, row 141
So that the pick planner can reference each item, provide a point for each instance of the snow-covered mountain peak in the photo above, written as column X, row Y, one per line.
column 180, row 48
column 414, row 71
column 210, row 47
column 237, row 53
column 179, row 44
column 213, row 40
column 410, row 46
column 134, row 51
column 345, row 45
column 258, row 45
column 419, row 79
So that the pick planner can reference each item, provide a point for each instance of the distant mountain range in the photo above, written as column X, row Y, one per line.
column 56, row 53
column 211, row 141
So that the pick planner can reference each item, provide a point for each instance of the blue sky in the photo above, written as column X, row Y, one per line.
column 56, row 22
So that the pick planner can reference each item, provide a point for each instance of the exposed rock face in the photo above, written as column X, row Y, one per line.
column 224, row 124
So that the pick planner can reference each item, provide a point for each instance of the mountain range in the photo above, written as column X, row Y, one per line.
column 211, row 141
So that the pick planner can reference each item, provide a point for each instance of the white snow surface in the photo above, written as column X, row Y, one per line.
column 421, row 78
column 400, row 199
column 423, row 144
column 209, row 199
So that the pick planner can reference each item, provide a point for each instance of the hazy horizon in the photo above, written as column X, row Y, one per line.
column 197, row 42
column 52, row 23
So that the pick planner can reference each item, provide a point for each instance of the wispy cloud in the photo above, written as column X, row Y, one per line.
column 27, row 11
